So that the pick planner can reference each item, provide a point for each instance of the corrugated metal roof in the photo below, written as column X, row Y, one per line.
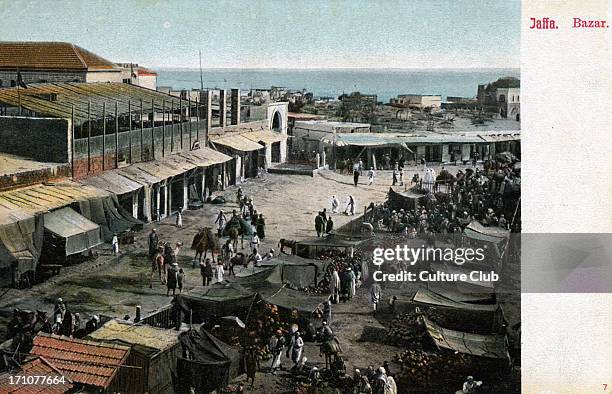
column 67, row 94
column 156, row 338
column 36, row 367
column 113, row 181
column 237, row 142
column 267, row 137
column 45, row 197
column 86, row 362
column 28, row 55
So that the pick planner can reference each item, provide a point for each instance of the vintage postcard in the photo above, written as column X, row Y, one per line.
column 277, row 197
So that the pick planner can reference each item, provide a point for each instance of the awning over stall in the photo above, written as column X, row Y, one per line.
column 44, row 197
column 268, row 137
column 161, row 169
column 113, row 182
column 21, row 237
column 106, row 212
column 205, row 157
column 80, row 233
column 237, row 142
column 430, row 298
column 491, row 346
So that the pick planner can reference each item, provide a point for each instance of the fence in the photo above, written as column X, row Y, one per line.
column 161, row 318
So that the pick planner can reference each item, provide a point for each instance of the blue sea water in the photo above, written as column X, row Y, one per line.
column 386, row 83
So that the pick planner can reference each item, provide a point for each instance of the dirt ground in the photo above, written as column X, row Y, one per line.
column 114, row 286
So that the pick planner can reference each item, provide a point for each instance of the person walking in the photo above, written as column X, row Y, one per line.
column 276, row 348
column 335, row 204
column 371, row 175
column 297, row 345
column 172, row 278
column 157, row 265
column 179, row 279
column 401, row 176
column 356, row 173
column 375, row 296
column 352, row 283
column 319, row 224
column 153, row 242
column 115, row 245
column 206, row 271
column 350, row 206
column 179, row 217
column 251, row 365
column 227, row 252
column 220, row 221
column 327, row 311
column 330, row 225
column 334, row 286
column 220, row 271
column 255, row 241
column 395, row 176
column 261, row 227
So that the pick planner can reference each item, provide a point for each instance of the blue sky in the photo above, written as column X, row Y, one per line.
column 278, row 34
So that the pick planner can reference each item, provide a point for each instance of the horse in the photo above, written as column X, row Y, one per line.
column 331, row 349
column 204, row 241
column 289, row 243
column 234, row 233
column 239, row 259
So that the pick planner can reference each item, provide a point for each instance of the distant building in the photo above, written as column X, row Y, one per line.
column 455, row 102
column 53, row 62
column 502, row 96
column 307, row 134
column 357, row 100
column 137, row 75
column 419, row 101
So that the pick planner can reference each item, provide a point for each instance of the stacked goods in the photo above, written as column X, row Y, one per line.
column 262, row 324
column 447, row 370
column 406, row 330
column 443, row 369
column 420, row 369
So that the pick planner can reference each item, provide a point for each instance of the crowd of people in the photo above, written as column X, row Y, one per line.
column 476, row 195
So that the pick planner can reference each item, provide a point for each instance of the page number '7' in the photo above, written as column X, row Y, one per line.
column 605, row 386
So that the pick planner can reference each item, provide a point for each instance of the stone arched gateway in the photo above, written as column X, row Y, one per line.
column 278, row 120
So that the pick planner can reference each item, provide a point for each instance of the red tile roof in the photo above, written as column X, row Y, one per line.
column 35, row 367
column 145, row 71
column 86, row 362
column 50, row 56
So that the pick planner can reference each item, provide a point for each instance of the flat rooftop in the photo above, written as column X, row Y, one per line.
column 13, row 165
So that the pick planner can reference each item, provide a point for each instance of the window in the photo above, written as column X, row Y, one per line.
column 127, row 80
column 502, row 98
column 512, row 99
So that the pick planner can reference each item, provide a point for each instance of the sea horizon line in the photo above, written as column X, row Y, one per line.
column 364, row 69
